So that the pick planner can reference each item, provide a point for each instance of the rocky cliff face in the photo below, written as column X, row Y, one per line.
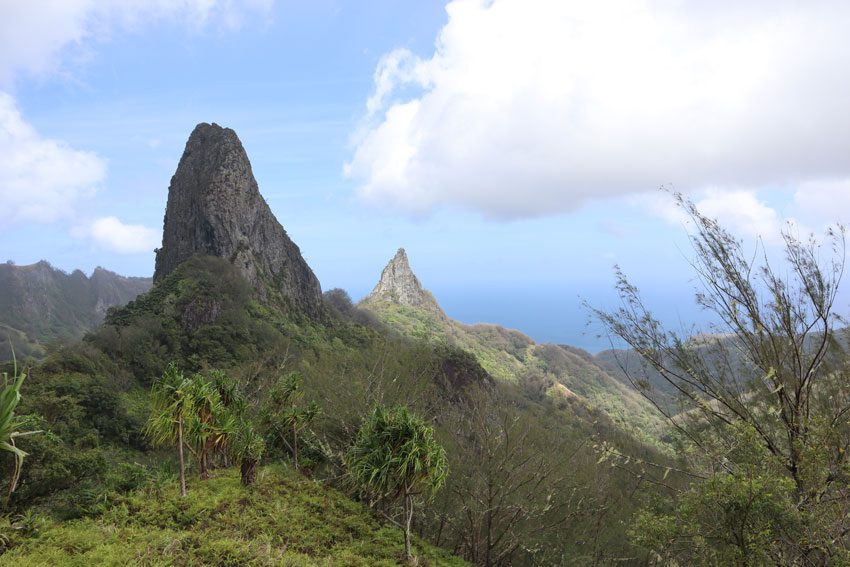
column 400, row 285
column 215, row 208
column 45, row 304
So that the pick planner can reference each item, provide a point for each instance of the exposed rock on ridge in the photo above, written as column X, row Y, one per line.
column 398, row 284
column 40, row 303
column 572, row 378
column 215, row 208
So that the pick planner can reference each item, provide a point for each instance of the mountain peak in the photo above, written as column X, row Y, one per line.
column 398, row 284
column 215, row 209
column 400, row 260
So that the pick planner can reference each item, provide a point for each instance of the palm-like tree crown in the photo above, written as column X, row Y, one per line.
column 395, row 451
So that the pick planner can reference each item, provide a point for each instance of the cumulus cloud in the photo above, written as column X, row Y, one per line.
column 740, row 211
column 112, row 234
column 34, row 36
column 41, row 179
column 531, row 107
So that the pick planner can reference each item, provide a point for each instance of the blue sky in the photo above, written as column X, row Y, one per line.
column 514, row 147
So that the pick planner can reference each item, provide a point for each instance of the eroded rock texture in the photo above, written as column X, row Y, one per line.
column 399, row 284
column 215, row 208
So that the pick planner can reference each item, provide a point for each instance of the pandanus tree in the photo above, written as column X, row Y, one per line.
column 396, row 456
column 234, row 403
column 10, row 397
column 173, row 406
column 210, row 425
column 189, row 413
column 247, row 448
column 285, row 415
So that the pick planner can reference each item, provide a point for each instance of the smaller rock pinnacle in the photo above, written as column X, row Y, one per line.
column 399, row 284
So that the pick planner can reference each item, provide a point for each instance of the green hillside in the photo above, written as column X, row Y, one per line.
column 92, row 400
column 284, row 519
column 562, row 373
column 40, row 304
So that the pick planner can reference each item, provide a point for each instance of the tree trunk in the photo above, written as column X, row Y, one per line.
column 408, row 517
column 249, row 471
column 295, row 446
column 180, row 456
column 438, row 540
column 202, row 465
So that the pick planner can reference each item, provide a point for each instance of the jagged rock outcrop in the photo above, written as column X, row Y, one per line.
column 398, row 284
column 215, row 209
column 40, row 303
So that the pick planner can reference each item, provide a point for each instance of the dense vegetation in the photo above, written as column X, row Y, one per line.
column 762, row 406
column 547, row 498
column 498, row 450
column 569, row 376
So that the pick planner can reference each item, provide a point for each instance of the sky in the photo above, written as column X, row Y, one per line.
column 516, row 148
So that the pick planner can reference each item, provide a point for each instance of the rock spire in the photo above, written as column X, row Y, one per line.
column 215, row 208
column 398, row 284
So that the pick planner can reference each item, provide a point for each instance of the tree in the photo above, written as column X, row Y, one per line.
column 773, row 370
column 509, row 486
column 285, row 416
column 173, row 404
column 234, row 403
column 727, row 519
column 248, row 449
column 229, row 392
column 396, row 456
column 10, row 397
column 211, row 424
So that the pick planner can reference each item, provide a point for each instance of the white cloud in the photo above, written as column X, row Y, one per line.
column 531, row 107
column 740, row 211
column 31, row 33
column 743, row 213
column 35, row 35
column 41, row 179
column 114, row 235
column 824, row 201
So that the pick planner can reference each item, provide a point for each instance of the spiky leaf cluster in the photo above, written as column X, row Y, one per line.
column 396, row 451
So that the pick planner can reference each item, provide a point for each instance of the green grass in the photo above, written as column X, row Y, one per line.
column 509, row 355
column 424, row 325
column 285, row 519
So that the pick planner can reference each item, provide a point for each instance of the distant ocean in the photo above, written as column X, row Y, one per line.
column 557, row 315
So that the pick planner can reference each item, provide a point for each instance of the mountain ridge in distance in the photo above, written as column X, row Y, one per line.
column 567, row 374
column 40, row 304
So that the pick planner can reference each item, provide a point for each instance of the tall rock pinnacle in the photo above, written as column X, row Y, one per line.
column 400, row 285
column 215, row 209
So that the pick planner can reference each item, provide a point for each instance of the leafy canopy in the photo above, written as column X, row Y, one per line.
column 396, row 452
column 172, row 402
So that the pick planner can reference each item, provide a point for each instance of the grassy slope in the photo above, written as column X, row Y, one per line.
column 284, row 519
column 508, row 355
